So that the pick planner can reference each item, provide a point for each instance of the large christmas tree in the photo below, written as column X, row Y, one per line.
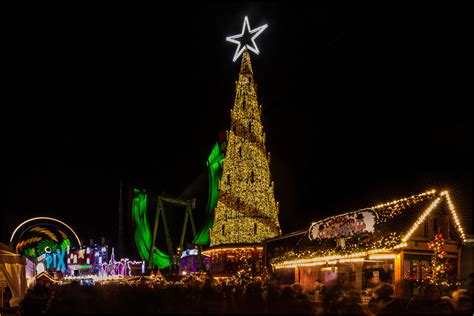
column 246, row 212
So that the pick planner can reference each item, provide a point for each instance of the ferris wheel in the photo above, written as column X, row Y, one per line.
column 39, row 235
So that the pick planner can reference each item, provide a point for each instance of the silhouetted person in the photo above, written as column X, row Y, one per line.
column 432, row 294
column 463, row 304
column 425, row 304
column 381, row 295
column 395, row 306
column 444, row 307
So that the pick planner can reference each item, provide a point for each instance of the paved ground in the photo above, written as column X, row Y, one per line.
column 8, row 311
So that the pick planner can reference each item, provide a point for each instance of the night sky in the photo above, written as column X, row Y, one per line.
column 359, row 107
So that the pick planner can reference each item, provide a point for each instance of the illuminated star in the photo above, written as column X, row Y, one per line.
column 240, row 48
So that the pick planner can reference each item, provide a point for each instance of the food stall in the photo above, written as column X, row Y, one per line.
column 388, row 243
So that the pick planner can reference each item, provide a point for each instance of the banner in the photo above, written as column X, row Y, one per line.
column 343, row 226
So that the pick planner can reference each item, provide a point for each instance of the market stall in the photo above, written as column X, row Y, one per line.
column 12, row 268
column 391, row 242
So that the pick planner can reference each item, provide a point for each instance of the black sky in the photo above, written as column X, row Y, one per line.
column 359, row 107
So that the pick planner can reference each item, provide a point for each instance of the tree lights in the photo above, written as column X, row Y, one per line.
column 439, row 268
column 246, row 212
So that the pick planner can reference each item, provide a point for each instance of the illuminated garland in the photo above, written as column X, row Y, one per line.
column 388, row 242
column 455, row 215
column 246, row 211
column 386, row 211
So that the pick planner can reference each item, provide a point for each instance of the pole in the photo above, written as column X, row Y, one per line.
column 183, row 231
column 120, row 250
column 167, row 233
column 155, row 229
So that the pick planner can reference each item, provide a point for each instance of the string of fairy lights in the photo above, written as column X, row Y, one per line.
column 292, row 258
column 455, row 215
column 386, row 245
column 246, row 211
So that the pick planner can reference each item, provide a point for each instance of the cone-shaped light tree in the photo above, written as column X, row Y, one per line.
column 246, row 212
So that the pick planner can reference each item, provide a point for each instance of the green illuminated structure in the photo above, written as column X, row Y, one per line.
column 160, row 210
column 214, row 163
column 142, row 236
column 145, row 240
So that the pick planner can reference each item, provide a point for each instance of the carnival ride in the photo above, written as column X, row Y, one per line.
column 145, row 240
column 214, row 164
column 160, row 209
column 39, row 235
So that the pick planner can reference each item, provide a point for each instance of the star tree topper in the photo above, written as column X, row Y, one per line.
column 240, row 48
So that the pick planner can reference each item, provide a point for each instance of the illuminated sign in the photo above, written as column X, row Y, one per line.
column 51, row 261
column 343, row 226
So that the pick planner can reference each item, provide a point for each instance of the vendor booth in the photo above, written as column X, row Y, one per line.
column 12, row 269
column 384, row 243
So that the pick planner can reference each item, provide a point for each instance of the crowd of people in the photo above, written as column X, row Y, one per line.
column 174, row 297
column 211, row 296
column 383, row 302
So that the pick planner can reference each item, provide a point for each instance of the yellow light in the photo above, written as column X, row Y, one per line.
column 454, row 213
column 246, row 212
column 329, row 268
column 421, row 219
column 382, row 256
column 351, row 260
column 231, row 249
column 402, row 245
column 322, row 260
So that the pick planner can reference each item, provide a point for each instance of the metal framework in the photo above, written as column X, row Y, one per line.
column 189, row 205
